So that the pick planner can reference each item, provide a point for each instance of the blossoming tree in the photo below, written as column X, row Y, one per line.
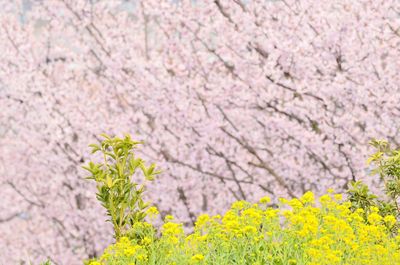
column 234, row 99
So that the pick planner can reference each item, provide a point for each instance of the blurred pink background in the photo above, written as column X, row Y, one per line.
column 234, row 99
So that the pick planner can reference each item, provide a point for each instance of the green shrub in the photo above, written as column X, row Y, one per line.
column 118, row 192
column 387, row 166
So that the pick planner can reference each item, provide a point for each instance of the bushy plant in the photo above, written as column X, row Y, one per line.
column 119, row 193
column 387, row 161
column 387, row 165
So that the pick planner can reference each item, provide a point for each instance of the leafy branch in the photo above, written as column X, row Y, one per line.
column 118, row 193
column 387, row 166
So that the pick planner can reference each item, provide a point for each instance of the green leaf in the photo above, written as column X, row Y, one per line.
column 136, row 163
column 374, row 157
column 87, row 168
column 105, row 136
column 117, row 193
column 94, row 147
column 109, row 181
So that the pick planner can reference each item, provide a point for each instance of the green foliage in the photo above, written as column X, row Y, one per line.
column 118, row 192
column 387, row 162
column 387, row 166
column 360, row 196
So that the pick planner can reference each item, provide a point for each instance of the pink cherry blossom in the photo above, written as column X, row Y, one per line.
column 234, row 100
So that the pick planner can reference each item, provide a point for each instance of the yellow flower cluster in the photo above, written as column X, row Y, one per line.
column 125, row 251
column 301, row 231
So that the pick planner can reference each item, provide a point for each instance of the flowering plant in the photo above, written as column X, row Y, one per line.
column 330, row 230
column 301, row 231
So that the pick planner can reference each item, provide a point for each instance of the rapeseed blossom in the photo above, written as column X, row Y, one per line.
column 302, row 231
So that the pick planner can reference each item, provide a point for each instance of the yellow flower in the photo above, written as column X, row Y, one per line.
column 265, row 200
column 271, row 213
column 130, row 251
column 202, row 238
column 283, row 200
column 389, row 220
column 374, row 209
column 327, row 235
column 249, row 229
column 172, row 232
column 172, row 229
column 169, row 218
column 308, row 197
column 202, row 220
column 374, row 218
column 252, row 216
column 197, row 257
column 142, row 257
column 124, row 240
column 287, row 214
column 325, row 199
column 152, row 212
column 338, row 197
column 146, row 240
column 295, row 204
column 217, row 217
column 238, row 205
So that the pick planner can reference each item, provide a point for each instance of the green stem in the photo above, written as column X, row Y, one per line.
column 114, row 217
